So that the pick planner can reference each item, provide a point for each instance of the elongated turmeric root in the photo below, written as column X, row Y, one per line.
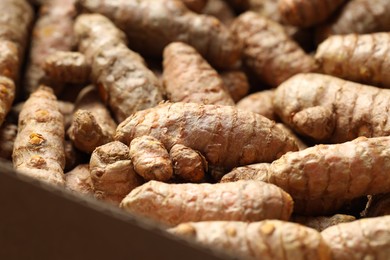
column 358, row 16
column 361, row 239
column 360, row 58
column 39, row 144
column 260, row 103
column 323, row 222
column 341, row 171
column 236, row 83
column 124, row 81
column 225, row 136
column 268, row 239
column 263, row 53
column 150, row 159
column 189, row 78
column 151, row 25
column 7, row 96
column 112, row 172
column 172, row 204
column 307, row 13
column 79, row 180
column 330, row 109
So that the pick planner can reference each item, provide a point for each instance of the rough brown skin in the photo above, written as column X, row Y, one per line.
column 188, row 164
column 301, row 144
column 220, row 10
column 321, row 223
column 307, row 13
column 361, row 239
column 151, row 25
column 112, row 172
column 358, row 16
column 268, row 51
column 377, row 205
column 39, row 145
column 172, row 204
column 79, row 180
column 268, row 239
column 340, row 171
column 92, row 124
column 9, row 60
column 236, row 83
column 67, row 67
column 189, row 78
column 260, row 103
column 8, row 133
column 7, row 96
column 225, row 136
column 150, row 159
column 52, row 32
column 124, row 81
column 267, row 8
column 352, row 109
column 195, row 5
column 360, row 58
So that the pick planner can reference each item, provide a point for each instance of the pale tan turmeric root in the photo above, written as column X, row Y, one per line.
column 7, row 96
column 225, row 136
column 9, row 60
column 172, row 204
column 304, row 13
column 377, row 205
column 112, row 172
column 67, row 67
column 39, row 145
column 124, row 81
column 268, row 51
column 260, row 103
column 52, row 32
column 321, row 223
column 330, row 109
column 220, row 10
column 8, row 133
column 236, row 83
column 151, row 25
column 92, row 124
column 361, row 239
column 79, row 180
column 358, row 16
column 188, row 164
column 360, row 58
column 266, row 240
column 301, row 144
column 189, row 78
column 328, row 172
column 195, row 5
column 150, row 159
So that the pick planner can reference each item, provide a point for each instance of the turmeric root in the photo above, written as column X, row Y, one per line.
column 195, row 5
column 92, row 124
column 7, row 96
column 321, row 223
column 79, row 180
column 150, row 159
column 301, row 144
column 189, row 78
column 124, row 81
column 377, row 205
column 188, row 164
column 67, row 67
column 260, row 103
column 358, row 16
column 73, row 157
column 39, row 144
column 360, row 58
column 268, row 239
column 149, row 31
column 226, row 136
column 172, row 204
column 112, row 172
column 330, row 109
column 236, row 83
column 307, row 13
column 8, row 133
column 361, row 239
column 52, row 32
column 9, row 60
column 340, row 171
column 220, row 10
column 268, row 51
